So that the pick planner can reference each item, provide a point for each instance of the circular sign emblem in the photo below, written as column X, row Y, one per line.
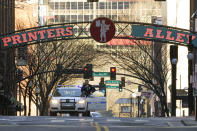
column 102, row 29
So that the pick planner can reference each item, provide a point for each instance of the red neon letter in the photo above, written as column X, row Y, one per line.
column 41, row 32
column 50, row 33
column 24, row 37
column 149, row 31
column 15, row 39
column 159, row 34
column 59, row 32
column 69, row 31
column 168, row 37
column 6, row 40
column 193, row 37
column 180, row 37
column 32, row 35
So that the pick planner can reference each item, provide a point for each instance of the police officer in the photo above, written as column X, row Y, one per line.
column 87, row 89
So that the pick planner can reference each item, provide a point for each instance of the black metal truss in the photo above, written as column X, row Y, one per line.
column 81, row 31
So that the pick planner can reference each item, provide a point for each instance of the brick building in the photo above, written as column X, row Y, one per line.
column 7, row 64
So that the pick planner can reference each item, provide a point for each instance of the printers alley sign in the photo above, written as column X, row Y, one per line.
column 163, row 34
column 139, row 31
column 39, row 35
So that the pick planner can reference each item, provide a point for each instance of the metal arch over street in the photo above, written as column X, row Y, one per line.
column 80, row 30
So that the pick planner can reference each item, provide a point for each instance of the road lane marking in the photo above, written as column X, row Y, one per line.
column 141, row 120
column 91, row 124
column 98, row 128
column 113, row 120
column 57, row 121
column 106, row 128
column 64, row 126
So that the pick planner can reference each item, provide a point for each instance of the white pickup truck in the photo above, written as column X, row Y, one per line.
column 69, row 100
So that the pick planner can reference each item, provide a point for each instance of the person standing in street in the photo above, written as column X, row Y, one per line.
column 87, row 89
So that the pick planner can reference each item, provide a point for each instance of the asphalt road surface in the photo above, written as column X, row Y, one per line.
column 47, row 123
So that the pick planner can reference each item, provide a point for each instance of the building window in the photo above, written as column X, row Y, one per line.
column 125, row 109
column 56, row 5
column 86, row 17
column 114, row 5
column 120, row 5
column 108, row 5
column 62, row 18
column 80, row 17
column 114, row 17
column 86, row 5
column 91, row 5
column 101, row 5
column 80, row 5
column 73, row 18
column 73, row 5
column 91, row 17
column 56, row 18
column 67, row 18
column 62, row 5
column 126, row 5
column 67, row 5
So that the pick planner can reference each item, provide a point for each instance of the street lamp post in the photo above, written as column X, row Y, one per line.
column 173, row 57
column 138, row 106
column 37, row 93
column 173, row 90
column 30, row 87
column 190, row 57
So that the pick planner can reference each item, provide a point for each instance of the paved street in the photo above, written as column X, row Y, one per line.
column 45, row 123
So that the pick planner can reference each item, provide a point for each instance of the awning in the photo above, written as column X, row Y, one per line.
column 126, row 42
column 123, row 101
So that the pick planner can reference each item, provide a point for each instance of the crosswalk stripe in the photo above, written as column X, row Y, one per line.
column 113, row 120
column 57, row 120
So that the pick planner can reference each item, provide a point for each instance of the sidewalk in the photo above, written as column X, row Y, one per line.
column 189, row 121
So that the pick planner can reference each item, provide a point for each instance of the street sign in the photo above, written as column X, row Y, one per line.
column 112, row 82
column 102, row 29
column 101, row 74
column 111, row 87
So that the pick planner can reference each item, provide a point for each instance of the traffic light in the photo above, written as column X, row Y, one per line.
column 88, row 71
column 120, row 87
column 123, row 81
column 112, row 73
column 102, row 84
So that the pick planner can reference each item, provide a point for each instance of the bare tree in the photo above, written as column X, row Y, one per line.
column 148, row 65
column 46, row 64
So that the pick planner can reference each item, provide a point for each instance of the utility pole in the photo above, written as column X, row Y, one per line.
column 193, row 20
